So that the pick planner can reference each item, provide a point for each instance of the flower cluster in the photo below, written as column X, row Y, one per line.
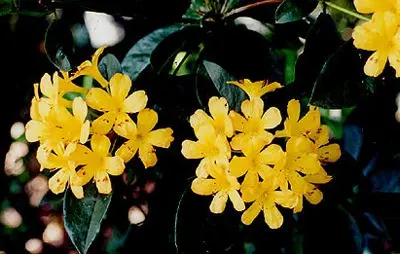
column 65, row 127
column 260, row 172
column 381, row 34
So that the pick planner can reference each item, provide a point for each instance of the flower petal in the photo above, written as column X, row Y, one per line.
column 238, row 166
column 318, row 178
column 58, row 181
column 125, row 126
column 104, row 123
column 77, row 191
column 314, row 196
column 120, row 84
column 147, row 119
column 35, row 130
column 376, row 63
column 205, row 166
column 271, row 118
column 192, row 150
column 285, row 198
column 85, row 131
column 238, row 121
column 271, row 154
column 100, row 100
column 79, row 108
column 199, row 118
column 293, row 109
column 368, row 6
column 127, row 150
column 83, row 175
column 204, row 187
column 218, row 203
column 272, row 216
column 253, row 108
column 115, row 165
column 135, row 102
column 330, row 153
column 161, row 137
column 298, row 145
column 100, row 144
column 236, row 200
column 147, row 154
column 251, row 213
column 103, row 182
column 251, row 180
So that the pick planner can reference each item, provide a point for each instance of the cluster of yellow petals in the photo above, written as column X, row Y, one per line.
column 381, row 34
column 64, row 128
column 260, row 173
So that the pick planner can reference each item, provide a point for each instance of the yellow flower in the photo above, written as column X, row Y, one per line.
column 60, row 159
column 303, row 127
column 142, row 137
column 265, row 196
column 255, row 163
column 254, row 124
column 301, row 188
column 66, row 84
column 370, row 6
column 52, row 91
column 210, row 147
column 220, row 120
column 57, row 125
column 90, row 68
column 223, row 185
column 116, row 104
column 380, row 34
column 326, row 153
column 256, row 89
column 97, row 163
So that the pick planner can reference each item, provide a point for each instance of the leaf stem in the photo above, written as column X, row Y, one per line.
column 249, row 6
column 344, row 10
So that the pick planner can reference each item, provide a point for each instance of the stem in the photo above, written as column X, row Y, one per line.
column 249, row 6
column 349, row 12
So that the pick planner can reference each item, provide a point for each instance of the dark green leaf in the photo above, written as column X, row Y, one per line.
column 322, row 41
column 59, row 45
column 83, row 217
column 342, row 83
column 5, row 7
column 294, row 10
column 109, row 65
column 138, row 57
column 220, row 77
column 198, row 231
column 192, row 11
column 352, row 140
column 232, row 4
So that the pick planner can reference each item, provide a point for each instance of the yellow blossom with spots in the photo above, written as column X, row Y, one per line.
column 116, row 104
column 53, row 91
column 223, row 186
column 211, row 148
column 254, row 125
column 142, row 137
column 256, row 89
column 54, row 126
column 219, row 119
column 264, row 197
column 97, row 163
column 294, row 126
column 255, row 163
column 60, row 160
column 91, row 68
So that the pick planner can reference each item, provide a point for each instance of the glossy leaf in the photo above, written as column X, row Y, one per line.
column 83, row 217
column 352, row 140
column 321, row 42
column 59, row 45
column 109, row 65
column 5, row 7
column 294, row 10
column 220, row 77
column 138, row 57
column 342, row 83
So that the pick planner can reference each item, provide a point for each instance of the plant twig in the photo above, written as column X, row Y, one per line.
column 249, row 6
column 344, row 10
